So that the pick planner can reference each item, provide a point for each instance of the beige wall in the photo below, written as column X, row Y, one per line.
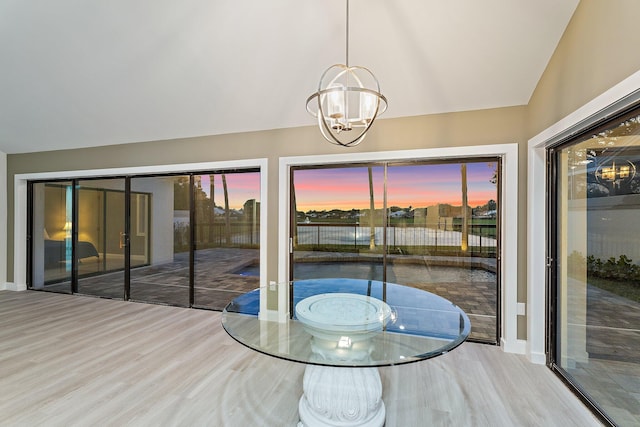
column 598, row 50
column 459, row 129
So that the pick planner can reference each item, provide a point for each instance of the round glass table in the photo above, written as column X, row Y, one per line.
column 343, row 329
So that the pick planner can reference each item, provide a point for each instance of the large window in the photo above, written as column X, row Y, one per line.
column 189, row 239
column 595, row 249
column 431, row 225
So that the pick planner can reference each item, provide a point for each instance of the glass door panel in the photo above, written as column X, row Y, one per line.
column 100, row 245
column 596, row 285
column 338, row 225
column 227, row 236
column 51, row 265
column 427, row 225
column 160, row 240
column 441, row 235
column 187, row 240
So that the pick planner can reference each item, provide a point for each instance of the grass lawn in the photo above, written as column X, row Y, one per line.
column 628, row 290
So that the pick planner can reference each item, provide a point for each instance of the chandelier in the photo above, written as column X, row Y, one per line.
column 347, row 102
column 616, row 173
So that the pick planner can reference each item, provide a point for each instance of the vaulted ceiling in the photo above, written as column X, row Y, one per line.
column 79, row 73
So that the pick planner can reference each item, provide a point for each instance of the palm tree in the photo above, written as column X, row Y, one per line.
column 464, row 244
column 227, row 219
column 212, row 214
column 295, row 215
column 372, row 225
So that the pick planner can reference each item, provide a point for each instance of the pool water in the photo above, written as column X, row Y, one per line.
column 475, row 290
column 396, row 273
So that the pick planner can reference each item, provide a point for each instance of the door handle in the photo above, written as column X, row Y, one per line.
column 123, row 240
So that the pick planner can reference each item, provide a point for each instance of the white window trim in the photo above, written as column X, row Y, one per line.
column 509, row 219
column 3, row 222
column 20, row 203
column 615, row 99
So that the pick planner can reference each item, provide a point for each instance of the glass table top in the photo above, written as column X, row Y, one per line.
column 351, row 323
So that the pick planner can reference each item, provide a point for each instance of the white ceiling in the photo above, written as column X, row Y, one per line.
column 77, row 73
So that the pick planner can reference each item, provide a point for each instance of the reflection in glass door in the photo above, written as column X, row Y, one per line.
column 160, row 249
column 428, row 225
column 184, row 240
column 595, row 285
column 226, row 236
column 442, row 235
column 100, row 244
column 339, row 219
column 51, row 266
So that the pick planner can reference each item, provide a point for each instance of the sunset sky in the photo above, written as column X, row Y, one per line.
column 240, row 186
column 348, row 188
column 412, row 185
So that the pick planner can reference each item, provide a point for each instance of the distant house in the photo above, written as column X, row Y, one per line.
column 399, row 214
column 251, row 210
column 439, row 216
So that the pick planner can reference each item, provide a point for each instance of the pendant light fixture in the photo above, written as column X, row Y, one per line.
column 347, row 102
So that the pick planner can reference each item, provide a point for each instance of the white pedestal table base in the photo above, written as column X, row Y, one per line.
column 341, row 397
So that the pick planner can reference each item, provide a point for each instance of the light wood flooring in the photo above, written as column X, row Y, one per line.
column 80, row 361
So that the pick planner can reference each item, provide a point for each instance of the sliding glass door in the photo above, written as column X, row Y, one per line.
column 430, row 225
column 77, row 235
column 50, row 235
column 187, row 240
column 339, row 217
column 595, row 270
column 226, row 236
column 100, row 230
column 442, row 235
column 160, row 244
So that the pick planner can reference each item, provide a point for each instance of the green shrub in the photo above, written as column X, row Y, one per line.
column 621, row 269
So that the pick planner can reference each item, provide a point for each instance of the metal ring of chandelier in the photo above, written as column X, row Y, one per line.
column 348, row 99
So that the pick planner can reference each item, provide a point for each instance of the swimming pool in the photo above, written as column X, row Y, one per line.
column 475, row 290
column 396, row 272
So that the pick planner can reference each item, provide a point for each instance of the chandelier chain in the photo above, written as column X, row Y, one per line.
column 347, row 37
column 347, row 101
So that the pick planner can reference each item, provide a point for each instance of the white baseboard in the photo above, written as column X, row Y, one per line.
column 10, row 286
column 537, row 358
column 517, row 346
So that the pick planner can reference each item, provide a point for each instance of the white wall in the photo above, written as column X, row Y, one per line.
column 161, row 190
column 610, row 219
